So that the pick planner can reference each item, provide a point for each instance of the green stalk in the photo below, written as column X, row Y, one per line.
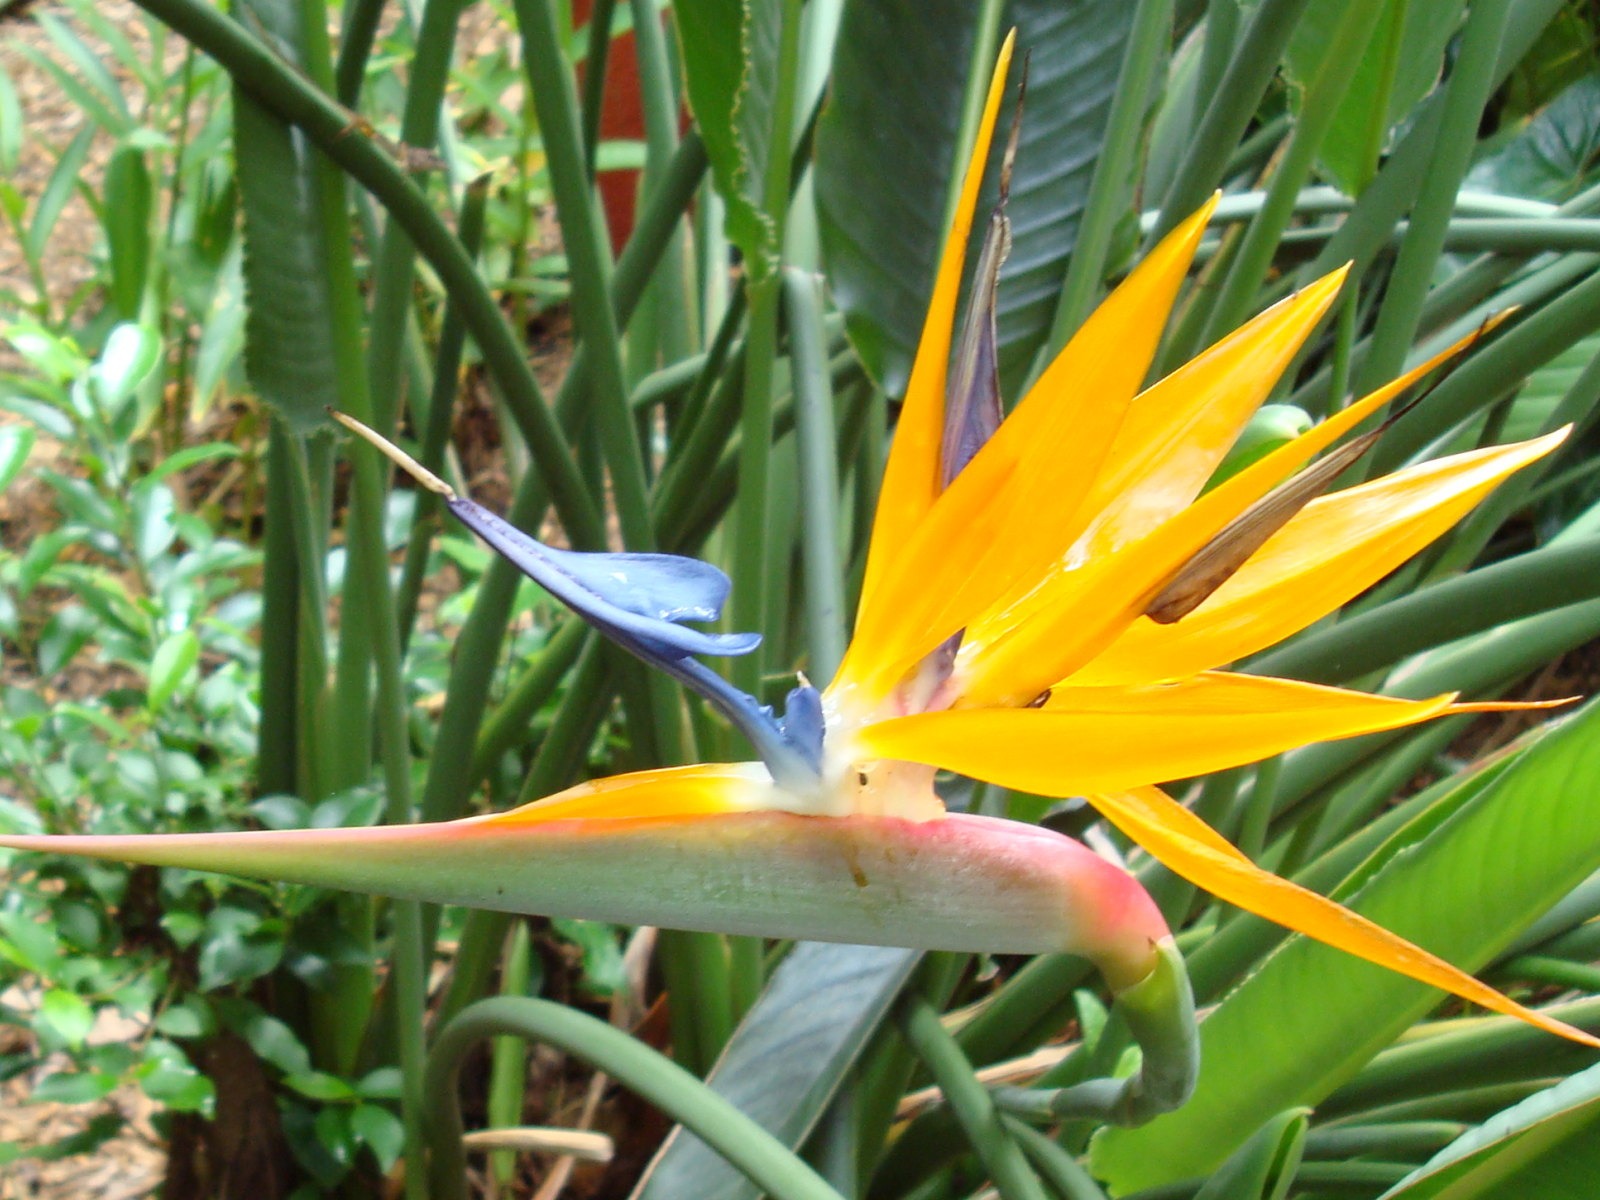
column 1146, row 53
column 280, row 88
column 750, row 544
column 1491, row 372
column 1466, row 93
column 1065, row 1175
column 393, row 268
column 1227, row 116
column 508, row 1067
column 277, row 746
column 970, row 1101
column 594, row 78
column 589, row 262
column 1531, row 583
column 441, row 406
column 672, row 296
column 527, row 696
column 819, row 483
column 774, row 1169
column 356, row 36
column 1357, row 22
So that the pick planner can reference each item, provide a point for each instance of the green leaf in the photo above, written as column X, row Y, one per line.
column 603, row 972
column 238, row 946
column 1263, row 1168
column 74, row 1088
column 130, row 354
column 730, row 53
column 1554, row 157
column 129, row 196
column 10, row 125
column 290, row 319
column 177, row 655
column 1413, row 51
column 16, row 441
column 67, row 1015
column 786, row 1060
column 382, row 1132
column 1548, row 1146
column 1310, row 1017
column 317, row 1085
column 886, row 155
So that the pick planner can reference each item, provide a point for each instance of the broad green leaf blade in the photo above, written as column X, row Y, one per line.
column 1400, row 67
column 892, row 118
column 730, row 63
column 1308, row 1019
column 1547, row 1147
column 289, row 323
column 786, row 1060
column 1554, row 157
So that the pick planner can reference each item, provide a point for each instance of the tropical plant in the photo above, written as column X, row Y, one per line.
column 1442, row 151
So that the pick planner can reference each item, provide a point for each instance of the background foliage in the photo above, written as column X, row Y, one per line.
column 211, row 618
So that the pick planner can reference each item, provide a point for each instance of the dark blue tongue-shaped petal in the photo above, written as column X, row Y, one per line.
column 634, row 599
column 637, row 600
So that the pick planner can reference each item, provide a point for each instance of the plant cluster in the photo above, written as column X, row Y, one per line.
column 219, row 613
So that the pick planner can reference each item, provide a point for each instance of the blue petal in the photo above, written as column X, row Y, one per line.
column 635, row 599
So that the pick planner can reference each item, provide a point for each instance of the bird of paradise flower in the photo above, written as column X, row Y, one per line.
column 1049, row 610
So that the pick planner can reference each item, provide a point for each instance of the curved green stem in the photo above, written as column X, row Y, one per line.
column 971, row 1102
column 659, row 1080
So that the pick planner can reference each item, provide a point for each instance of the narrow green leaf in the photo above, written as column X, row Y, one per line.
column 16, row 441
column 174, row 659
column 1544, row 1147
column 129, row 195
column 730, row 52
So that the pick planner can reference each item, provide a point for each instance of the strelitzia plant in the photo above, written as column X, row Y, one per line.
column 1048, row 604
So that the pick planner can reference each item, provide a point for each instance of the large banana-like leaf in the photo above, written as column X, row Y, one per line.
column 886, row 152
column 1308, row 1019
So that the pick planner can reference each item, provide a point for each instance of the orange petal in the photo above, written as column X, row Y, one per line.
column 1178, row 431
column 1108, row 739
column 1190, row 848
column 700, row 790
column 1331, row 551
column 1008, row 515
column 1012, row 654
column 911, row 476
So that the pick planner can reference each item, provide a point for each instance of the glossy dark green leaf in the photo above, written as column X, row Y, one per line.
column 1463, row 891
column 787, row 1059
column 886, row 154
column 1555, row 156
